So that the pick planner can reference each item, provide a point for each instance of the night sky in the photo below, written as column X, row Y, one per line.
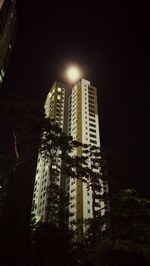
column 108, row 42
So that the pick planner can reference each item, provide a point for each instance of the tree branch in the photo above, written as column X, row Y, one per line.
column 16, row 146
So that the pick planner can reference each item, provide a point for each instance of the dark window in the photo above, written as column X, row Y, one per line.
column 91, row 89
column 91, row 101
column 92, row 136
column 91, row 106
column 91, row 110
column 92, row 115
column 91, row 97
column 93, row 141
column 91, row 119
column 92, row 125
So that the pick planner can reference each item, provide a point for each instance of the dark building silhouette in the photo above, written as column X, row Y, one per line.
column 7, row 33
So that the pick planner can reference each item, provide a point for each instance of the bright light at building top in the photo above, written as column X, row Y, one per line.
column 73, row 73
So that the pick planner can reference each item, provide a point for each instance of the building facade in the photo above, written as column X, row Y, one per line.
column 83, row 126
column 7, row 33
column 54, row 109
column 78, row 109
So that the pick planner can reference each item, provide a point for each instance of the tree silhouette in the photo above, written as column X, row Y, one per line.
column 126, row 240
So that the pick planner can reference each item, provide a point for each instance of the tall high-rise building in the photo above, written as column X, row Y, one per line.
column 83, row 126
column 54, row 109
column 78, row 109
column 7, row 33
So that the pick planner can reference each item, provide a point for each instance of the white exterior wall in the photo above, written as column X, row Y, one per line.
column 86, row 139
column 87, row 194
column 72, row 130
column 42, row 178
column 40, row 188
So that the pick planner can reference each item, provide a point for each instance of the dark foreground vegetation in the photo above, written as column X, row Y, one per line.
column 120, row 237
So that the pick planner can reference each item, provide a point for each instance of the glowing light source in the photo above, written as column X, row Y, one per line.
column 73, row 73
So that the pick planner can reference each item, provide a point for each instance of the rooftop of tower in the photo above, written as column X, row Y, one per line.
column 59, row 83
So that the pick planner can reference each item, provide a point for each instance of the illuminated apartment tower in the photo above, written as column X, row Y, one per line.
column 83, row 126
column 82, row 119
column 54, row 109
column 7, row 33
